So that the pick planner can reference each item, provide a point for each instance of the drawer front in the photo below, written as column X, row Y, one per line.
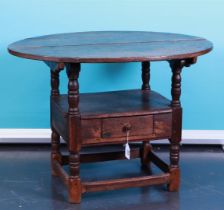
column 116, row 127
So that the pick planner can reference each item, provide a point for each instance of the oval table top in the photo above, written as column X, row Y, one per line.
column 110, row 46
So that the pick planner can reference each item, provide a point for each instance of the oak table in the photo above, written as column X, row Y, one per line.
column 95, row 119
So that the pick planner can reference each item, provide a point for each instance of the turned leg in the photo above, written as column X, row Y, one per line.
column 176, row 66
column 174, row 166
column 74, row 144
column 55, row 150
column 55, row 137
column 145, row 149
column 145, row 75
column 175, row 139
column 74, row 188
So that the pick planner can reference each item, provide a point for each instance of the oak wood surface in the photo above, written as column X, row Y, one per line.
column 110, row 46
column 125, row 182
column 117, row 103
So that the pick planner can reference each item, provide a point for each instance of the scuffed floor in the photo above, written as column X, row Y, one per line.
column 26, row 182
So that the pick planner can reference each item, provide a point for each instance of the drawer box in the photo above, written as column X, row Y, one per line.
column 116, row 127
column 104, row 123
column 108, row 130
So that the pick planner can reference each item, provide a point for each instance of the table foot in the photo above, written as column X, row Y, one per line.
column 74, row 190
column 174, row 184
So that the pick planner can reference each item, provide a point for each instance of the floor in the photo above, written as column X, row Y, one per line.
column 26, row 182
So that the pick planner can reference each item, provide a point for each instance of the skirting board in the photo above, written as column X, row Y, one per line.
column 43, row 136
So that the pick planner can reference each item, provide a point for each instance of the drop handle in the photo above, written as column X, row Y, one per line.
column 126, row 127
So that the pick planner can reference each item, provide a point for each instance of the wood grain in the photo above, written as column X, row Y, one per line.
column 125, row 182
column 110, row 46
column 117, row 103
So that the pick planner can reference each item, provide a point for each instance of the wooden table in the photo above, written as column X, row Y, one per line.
column 105, row 118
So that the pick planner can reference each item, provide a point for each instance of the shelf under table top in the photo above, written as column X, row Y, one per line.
column 117, row 103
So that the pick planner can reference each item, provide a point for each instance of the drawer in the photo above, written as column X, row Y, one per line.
column 139, row 126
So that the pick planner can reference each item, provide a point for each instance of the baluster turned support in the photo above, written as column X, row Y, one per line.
column 74, row 143
column 176, row 66
column 145, row 149
column 146, row 146
column 54, row 83
column 55, row 137
column 145, row 75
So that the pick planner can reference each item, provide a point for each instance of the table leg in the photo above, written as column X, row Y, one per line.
column 176, row 66
column 55, row 150
column 146, row 147
column 174, row 166
column 145, row 75
column 55, row 137
column 145, row 150
column 74, row 143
